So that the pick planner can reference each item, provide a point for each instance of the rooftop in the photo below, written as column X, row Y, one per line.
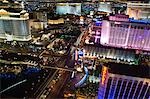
column 129, row 70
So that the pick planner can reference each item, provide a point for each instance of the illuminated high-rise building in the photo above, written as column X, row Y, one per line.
column 14, row 26
column 126, row 34
column 116, row 84
column 68, row 8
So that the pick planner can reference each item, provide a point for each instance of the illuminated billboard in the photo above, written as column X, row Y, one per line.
column 68, row 8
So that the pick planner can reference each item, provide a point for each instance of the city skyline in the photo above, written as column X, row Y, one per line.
column 60, row 49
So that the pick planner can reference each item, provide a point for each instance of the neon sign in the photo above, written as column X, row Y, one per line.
column 104, row 75
column 139, row 21
column 76, row 55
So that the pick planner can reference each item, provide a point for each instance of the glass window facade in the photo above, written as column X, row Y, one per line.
column 18, row 28
column 126, row 34
column 124, row 87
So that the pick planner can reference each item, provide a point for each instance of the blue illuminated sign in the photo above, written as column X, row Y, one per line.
column 80, row 53
column 139, row 21
column 98, row 23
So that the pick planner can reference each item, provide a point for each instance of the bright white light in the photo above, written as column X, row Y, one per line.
column 128, row 60
column 67, row 19
column 79, row 69
column 5, row 1
column 16, row 2
column 105, row 32
column 9, row 37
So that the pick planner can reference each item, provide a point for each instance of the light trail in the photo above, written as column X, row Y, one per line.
column 13, row 86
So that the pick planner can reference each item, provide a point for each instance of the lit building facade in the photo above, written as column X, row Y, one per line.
column 110, row 53
column 58, row 21
column 115, row 86
column 105, row 7
column 36, row 25
column 119, row 17
column 126, row 35
column 14, row 28
column 138, row 10
column 68, row 8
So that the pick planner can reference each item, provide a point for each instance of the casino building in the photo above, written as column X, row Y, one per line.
column 117, row 83
column 125, row 34
column 127, row 56
column 14, row 26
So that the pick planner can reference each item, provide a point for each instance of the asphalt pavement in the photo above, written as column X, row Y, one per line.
column 59, row 85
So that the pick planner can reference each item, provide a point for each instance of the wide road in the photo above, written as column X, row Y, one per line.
column 59, row 85
column 41, row 89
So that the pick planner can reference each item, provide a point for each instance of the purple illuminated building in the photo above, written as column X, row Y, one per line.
column 117, row 82
column 126, row 35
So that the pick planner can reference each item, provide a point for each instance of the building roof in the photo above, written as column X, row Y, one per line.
column 129, row 70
